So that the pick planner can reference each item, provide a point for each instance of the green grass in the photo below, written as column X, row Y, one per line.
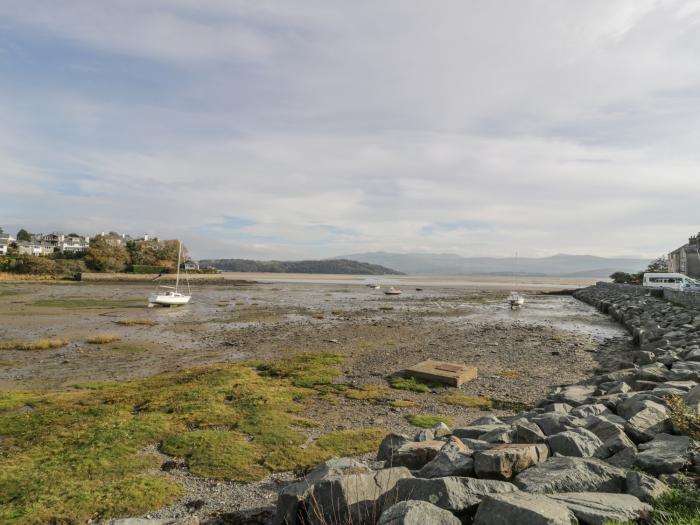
column 678, row 506
column 402, row 403
column 410, row 383
column 465, row 400
column 305, row 369
column 366, row 393
column 86, row 302
column 425, row 421
column 71, row 456
column 9, row 293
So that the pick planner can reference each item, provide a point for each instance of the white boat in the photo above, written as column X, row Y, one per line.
column 170, row 295
column 515, row 300
column 373, row 286
column 392, row 291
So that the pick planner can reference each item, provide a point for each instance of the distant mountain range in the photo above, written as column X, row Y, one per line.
column 337, row 266
column 560, row 265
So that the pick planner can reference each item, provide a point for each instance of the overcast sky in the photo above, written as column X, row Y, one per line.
column 304, row 129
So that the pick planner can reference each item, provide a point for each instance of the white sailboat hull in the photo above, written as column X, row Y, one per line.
column 169, row 299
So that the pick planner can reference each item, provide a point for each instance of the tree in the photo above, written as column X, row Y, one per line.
column 658, row 265
column 35, row 265
column 23, row 235
column 1, row 230
column 626, row 278
column 104, row 257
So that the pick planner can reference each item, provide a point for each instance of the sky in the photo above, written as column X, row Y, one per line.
column 291, row 129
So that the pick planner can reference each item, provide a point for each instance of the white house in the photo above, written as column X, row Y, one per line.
column 34, row 248
column 74, row 244
column 5, row 240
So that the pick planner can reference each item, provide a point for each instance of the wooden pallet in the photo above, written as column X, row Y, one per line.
column 452, row 374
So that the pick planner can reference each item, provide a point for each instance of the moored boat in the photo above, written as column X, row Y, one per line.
column 170, row 295
column 392, row 291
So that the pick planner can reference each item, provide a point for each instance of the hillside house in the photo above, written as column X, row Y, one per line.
column 686, row 259
column 5, row 240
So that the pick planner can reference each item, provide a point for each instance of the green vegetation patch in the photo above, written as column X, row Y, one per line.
column 425, row 421
column 411, row 383
column 366, row 393
column 305, row 369
column 9, row 293
column 402, row 403
column 71, row 456
column 137, row 322
column 465, row 400
column 86, row 302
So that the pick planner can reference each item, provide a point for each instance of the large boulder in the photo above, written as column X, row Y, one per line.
column 574, row 395
column 390, row 444
column 665, row 454
column 527, row 432
column 345, row 497
column 651, row 420
column 294, row 494
column 646, row 488
column 505, row 461
column 568, row 474
column 415, row 454
column 523, row 509
column 456, row 494
column 577, row 442
column 476, row 431
column 448, row 462
column 596, row 508
column 611, row 434
column 417, row 513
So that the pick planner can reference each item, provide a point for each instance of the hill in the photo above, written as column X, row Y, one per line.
column 561, row 265
column 337, row 266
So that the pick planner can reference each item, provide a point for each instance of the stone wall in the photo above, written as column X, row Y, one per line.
column 588, row 453
column 689, row 299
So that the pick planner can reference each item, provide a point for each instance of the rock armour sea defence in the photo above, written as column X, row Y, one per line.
column 587, row 453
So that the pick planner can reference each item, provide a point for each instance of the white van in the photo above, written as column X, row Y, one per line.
column 674, row 281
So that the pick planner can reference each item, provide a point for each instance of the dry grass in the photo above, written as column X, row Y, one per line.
column 39, row 344
column 137, row 322
column 102, row 339
column 9, row 277
column 464, row 400
column 508, row 374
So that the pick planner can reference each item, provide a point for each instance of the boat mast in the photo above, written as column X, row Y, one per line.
column 177, row 278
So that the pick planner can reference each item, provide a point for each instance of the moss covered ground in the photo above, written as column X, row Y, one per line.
column 69, row 456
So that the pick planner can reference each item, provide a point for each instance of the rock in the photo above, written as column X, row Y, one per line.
column 486, row 420
column 504, row 461
column 636, row 403
column 692, row 398
column 626, row 458
column 574, row 395
column 415, row 454
column 551, row 423
column 665, row 454
column 596, row 508
column 648, row 422
column 618, row 387
column 567, row 474
column 500, row 435
column 475, row 431
column 558, row 408
column 611, row 434
column 456, row 494
column 441, row 430
column 425, row 435
column 390, row 444
column 577, row 442
column 522, row 509
column 585, row 411
column 528, row 432
column 417, row 513
column 294, row 494
column 476, row 444
column 646, row 488
column 348, row 498
column 448, row 463
column 454, row 444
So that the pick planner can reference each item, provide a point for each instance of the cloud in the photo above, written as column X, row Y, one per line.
column 316, row 128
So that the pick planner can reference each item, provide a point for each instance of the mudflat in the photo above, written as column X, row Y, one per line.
column 258, row 397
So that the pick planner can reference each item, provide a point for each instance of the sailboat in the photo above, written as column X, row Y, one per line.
column 515, row 299
column 170, row 295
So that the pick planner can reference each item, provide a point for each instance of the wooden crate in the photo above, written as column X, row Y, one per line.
column 453, row 374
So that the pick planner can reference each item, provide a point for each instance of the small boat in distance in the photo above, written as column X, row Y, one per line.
column 392, row 291
column 515, row 300
column 170, row 295
column 373, row 286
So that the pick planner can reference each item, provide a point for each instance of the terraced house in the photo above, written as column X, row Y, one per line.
column 686, row 259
